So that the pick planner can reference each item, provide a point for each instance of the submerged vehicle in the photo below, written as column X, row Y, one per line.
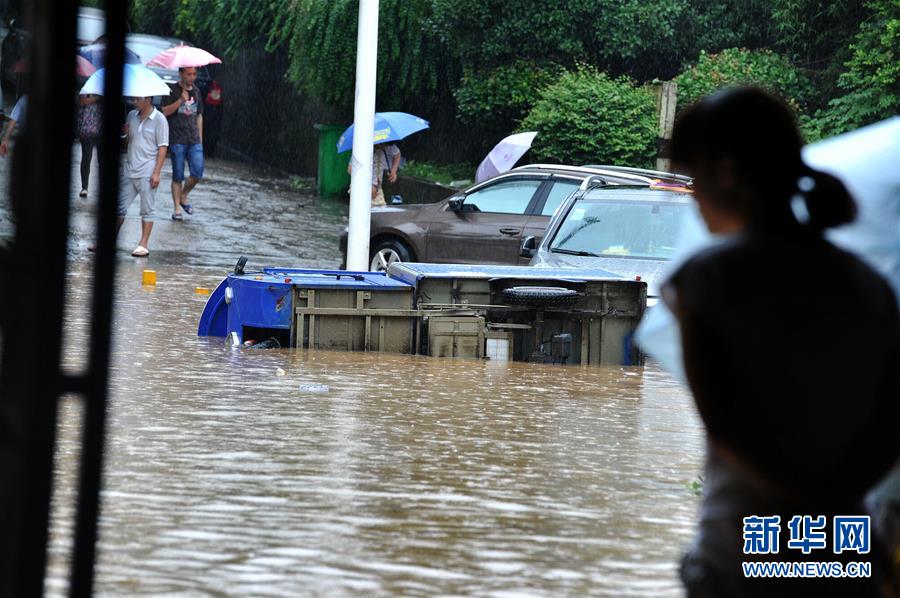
column 503, row 313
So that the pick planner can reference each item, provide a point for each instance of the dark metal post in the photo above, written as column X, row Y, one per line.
column 32, row 322
column 97, row 382
column 33, row 273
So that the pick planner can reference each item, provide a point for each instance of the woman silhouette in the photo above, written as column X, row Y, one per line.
column 791, row 349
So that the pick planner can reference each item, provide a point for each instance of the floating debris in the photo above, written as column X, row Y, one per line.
column 148, row 278
column 280, row 372
column 314, row 388
column 269, row 343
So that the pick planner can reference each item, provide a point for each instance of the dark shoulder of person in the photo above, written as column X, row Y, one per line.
column 699, row 279
column 174, row 94
column 808, row 270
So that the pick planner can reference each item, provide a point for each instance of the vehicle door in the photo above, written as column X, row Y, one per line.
column 487, row 229
column 552, row 196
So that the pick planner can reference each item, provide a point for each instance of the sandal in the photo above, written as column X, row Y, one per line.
column 188, row 209
column 140, row 251
column 177, row 216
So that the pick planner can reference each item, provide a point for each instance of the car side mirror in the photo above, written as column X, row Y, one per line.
column 529, row 247
column 455, row 203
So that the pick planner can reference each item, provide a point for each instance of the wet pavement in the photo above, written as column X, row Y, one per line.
column 354, row 474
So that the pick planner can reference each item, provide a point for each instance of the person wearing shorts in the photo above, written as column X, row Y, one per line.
column 385, row 156
column 147, row 134
column 184, row 111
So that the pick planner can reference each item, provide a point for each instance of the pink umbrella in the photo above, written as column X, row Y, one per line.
column 83, row 67
column 183, row 56
column 504, row 155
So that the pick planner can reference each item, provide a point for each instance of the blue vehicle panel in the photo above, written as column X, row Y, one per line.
column 264, row 299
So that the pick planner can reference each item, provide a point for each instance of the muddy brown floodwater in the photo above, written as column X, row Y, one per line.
column 355, row 474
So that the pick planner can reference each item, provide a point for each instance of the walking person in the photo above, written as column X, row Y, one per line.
column 790, row 348
column 90, row 114
column 16, row 119
column 184, row 111
column 385, row 156
column 147, row 135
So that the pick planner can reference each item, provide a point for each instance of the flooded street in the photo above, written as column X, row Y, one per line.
column 354, row 473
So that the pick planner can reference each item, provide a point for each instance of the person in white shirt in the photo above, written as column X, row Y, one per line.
column 147, row 132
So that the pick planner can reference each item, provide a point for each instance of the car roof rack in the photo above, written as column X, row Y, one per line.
column 619, row 175
column 656, row 174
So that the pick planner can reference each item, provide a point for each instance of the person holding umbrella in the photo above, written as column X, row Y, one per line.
column 184, row 111
column 146, row 133
column 389, row 126
column 385, row 156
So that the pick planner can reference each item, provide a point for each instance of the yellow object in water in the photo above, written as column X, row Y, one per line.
column 149, row 278
column 201, row 291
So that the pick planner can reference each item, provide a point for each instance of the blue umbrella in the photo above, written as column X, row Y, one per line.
column 96, row 54
column 389, row 126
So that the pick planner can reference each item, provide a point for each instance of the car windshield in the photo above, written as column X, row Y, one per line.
column 641, row 228
column 146, row 49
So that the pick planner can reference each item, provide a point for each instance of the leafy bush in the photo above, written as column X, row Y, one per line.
column 738, row 66
column 587, row 117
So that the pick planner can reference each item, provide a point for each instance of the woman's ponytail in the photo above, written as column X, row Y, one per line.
column 822, row 201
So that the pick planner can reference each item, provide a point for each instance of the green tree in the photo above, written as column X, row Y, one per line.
column 587, row 117
column 413, row 67
column 501, row 97
column 738, row 66
column 644, row 39
column 811, row 32
column 157, row 17
column 871, row 83
column 720, row 24
column 815, row 35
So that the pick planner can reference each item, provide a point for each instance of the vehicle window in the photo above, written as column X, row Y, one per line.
column 641, row 229
column 558, row 193
column 146, row 50
column 90, row 28
column 510, row 197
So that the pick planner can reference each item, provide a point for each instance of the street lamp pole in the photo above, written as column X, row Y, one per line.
column 363, row 137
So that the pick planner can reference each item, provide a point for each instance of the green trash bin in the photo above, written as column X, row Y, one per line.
column 332, row 178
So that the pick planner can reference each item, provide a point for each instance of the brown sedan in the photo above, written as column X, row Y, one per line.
column 484, row 224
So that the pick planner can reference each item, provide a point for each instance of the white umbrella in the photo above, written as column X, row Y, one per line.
column 866, row 162
column 504, row 155
column 140, row 82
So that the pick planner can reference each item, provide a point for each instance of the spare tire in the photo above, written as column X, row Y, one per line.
column 540, row 296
